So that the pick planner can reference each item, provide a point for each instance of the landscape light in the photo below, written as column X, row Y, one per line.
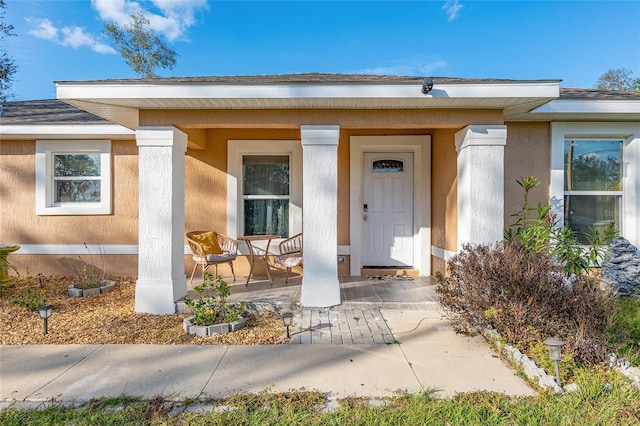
column 286, row 319
column 555, row 353
column 45, row 312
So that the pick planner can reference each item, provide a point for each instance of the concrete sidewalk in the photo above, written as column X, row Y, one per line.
column 428, row 355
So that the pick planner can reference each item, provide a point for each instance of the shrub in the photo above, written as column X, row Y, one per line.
column 213, row 308
column 539, row 232
column 526, row 299
column 33, row 296
column 533, row 285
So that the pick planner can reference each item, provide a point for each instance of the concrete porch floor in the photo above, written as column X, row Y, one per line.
column 368, row 292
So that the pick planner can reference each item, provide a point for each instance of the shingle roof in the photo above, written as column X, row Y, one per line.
column 50, row 111
column 307, row 78
column 594, row 94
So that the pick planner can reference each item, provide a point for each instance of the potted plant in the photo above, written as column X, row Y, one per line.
column 211, row 313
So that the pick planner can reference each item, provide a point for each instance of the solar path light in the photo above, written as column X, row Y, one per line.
column 555, row 353
column 45, row 312
column 286, row 319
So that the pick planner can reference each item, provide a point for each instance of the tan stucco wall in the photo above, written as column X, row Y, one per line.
column 527, row 153
column 20, row 224
column 363, row 119
column 205, row 174
column 206, row 184
column 444, row 193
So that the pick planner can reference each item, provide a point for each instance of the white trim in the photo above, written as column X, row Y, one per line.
column 44, row 175
column 442, row 253
column 420, row 145
column 167, row 91
column 94, row 249
column 344, row 250
column 592, row 106
column 112, row 131
column 235, row 150
column 629, row 133
column 76, row 249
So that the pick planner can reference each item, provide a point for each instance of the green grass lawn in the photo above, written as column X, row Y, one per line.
column 625, row 336
column 604, row 398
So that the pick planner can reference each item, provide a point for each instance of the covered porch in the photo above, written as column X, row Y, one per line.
column 370, row 291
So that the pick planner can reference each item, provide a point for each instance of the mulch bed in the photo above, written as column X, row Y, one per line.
column 110, row 318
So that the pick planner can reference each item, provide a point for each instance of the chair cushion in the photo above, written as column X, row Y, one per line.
column 219, row 257
column 289, row 260
column 209, row 242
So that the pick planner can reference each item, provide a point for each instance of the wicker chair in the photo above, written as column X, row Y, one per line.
column 290, row 254
column 202, row 257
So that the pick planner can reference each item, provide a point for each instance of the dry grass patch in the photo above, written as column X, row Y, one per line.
column 110, row 319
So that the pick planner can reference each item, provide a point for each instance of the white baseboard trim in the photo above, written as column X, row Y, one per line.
column 75, row 249
column 442, row 253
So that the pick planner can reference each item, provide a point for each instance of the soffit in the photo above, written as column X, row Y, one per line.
column 118, row 101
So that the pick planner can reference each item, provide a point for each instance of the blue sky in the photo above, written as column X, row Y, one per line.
column 575, row 41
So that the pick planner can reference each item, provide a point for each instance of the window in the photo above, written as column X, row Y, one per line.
column 264, row 187
column 387, row 166
column 73, row 178
column 592, row 185
column 265, row 193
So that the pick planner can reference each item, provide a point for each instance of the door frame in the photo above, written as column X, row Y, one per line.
column 420, row 145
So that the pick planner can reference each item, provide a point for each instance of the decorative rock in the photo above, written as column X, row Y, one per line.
column 530, row 368
column 621, row 268
column 624, row 367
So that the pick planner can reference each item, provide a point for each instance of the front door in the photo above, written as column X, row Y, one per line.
column 387, row 209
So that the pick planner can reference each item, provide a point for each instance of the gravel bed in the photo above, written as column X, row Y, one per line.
column 110, row 319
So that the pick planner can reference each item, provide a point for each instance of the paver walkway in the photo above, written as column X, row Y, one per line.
column 350, row 326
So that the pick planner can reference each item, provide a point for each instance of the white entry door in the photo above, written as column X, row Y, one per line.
column 387, row 209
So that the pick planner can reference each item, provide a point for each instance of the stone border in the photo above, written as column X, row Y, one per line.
column 104, row 286
column 211, row 330
column 547, row 381
column 530, row 368
column 624, row 367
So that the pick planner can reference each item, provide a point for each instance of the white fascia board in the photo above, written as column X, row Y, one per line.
column 61, row 129
column 283, row 91
column 589, row 106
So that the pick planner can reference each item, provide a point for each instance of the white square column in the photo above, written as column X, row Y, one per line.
column 161, row 279
column 320, row 285
column 481, row 184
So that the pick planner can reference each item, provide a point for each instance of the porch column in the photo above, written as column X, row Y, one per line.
column 320, row 285
column 481, row 183
column 161, row 279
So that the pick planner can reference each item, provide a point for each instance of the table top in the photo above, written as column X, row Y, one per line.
column 258, row 237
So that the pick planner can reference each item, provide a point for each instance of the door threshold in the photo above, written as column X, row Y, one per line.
column 389, row 270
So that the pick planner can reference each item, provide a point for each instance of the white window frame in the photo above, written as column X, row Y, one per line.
column 629, row 133
column 45, row 186
column 236, row 149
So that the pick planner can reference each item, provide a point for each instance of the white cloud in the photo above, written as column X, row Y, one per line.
column 173, row 21
column 452, row 9
column 44, row 29
column 75, row 37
